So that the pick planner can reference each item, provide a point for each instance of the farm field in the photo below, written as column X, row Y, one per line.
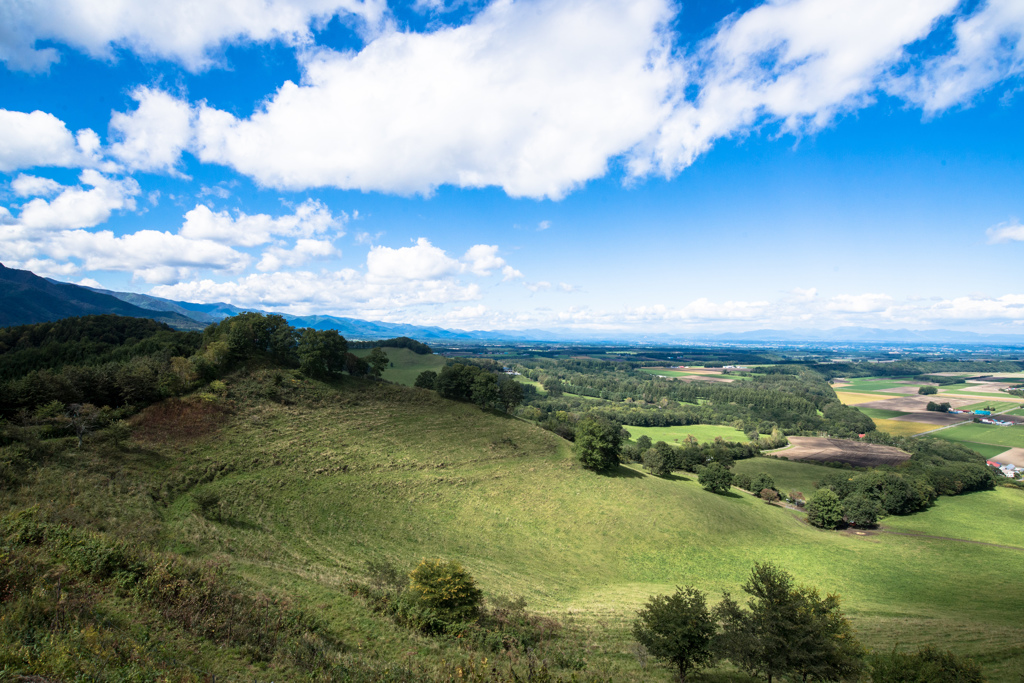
column 986, row 449
column 982, row 433
column 903, row 427
column 841, row 450
column 997, row 406
column 1018, row 412
column 853, row 399
column 869, row 384
column 788, row 475
column 879, row 413
column 1011, row 456
column 408, row 365
column 986, row 516
column 676, row 435
column 933, row 418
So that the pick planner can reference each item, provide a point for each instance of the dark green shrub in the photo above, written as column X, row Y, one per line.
column 446, row 588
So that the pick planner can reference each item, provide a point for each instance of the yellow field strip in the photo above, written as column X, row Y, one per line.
column 852, row 399
column 903, row 428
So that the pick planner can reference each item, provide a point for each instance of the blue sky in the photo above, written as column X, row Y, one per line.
column 581, row 164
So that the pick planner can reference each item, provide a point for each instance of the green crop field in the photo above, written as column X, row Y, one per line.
column 788, row 476
column 985, row 449
column 408, row 365
column 870, row 385
column 881, row 414
column 676, row 435
column 982, row 433
column 1019, row 411
column 995, row 405
column 987, row 516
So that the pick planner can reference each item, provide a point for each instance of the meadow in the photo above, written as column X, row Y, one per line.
column 677, row 434
column 983, row 433
column 407, row 365
column 313, row 481
column 376, row 475
column 788, row 476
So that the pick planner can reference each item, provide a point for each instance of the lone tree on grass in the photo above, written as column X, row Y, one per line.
column 787, row 630
column 445, row 587
column 598, row 442
column 824, row 509
column 715, row 478
column 378, row 361
column 678, row 628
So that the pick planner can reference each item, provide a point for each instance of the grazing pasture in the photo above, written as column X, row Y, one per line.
column 407, row 365
column 677, row 435
column 986, row 516
column 1012, row 437
column 855, row 453
column 788, row 475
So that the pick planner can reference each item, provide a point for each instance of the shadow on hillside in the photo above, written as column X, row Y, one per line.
column 621, row 472
column 676, row 477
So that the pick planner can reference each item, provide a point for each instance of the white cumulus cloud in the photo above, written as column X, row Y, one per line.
column 191, row 32
column 421, row 261
column 532, row 96
column 310, row 218
column 37, row 138
column 77, row 207
column 152, row 137
column 276, row 258
column 35, row 186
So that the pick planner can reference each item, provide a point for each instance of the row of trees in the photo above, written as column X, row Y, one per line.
column 473, row 383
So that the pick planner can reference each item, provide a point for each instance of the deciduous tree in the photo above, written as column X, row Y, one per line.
column 678, row 628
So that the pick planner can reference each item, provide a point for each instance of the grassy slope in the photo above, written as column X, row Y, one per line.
column 676, row 435
column 408, row 365
column 988, row 516
column 332, row 477
column 510, row 502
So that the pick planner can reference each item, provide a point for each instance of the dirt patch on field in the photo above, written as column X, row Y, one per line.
column 1014, row 456
column 988, row 387
column 858, row 454
column 932, row 418
column 915, row 404
column 177, row 421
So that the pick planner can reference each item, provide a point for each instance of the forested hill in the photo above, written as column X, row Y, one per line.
column 26, row 298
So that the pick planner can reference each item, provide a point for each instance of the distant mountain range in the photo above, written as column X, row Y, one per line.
column 27, row 298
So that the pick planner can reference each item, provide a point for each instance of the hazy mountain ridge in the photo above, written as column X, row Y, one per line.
column 51, row 300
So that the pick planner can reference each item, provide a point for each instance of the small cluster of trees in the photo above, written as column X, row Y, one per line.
column 784, row 630
column 474, row 384
column 861, row 500
column 928, row 391
column 938, row 407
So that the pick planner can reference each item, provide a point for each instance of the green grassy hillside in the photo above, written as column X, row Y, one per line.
column 407, row 365
column 314, row 480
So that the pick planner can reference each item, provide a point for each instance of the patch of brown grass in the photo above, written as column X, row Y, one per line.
column 180, row 420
